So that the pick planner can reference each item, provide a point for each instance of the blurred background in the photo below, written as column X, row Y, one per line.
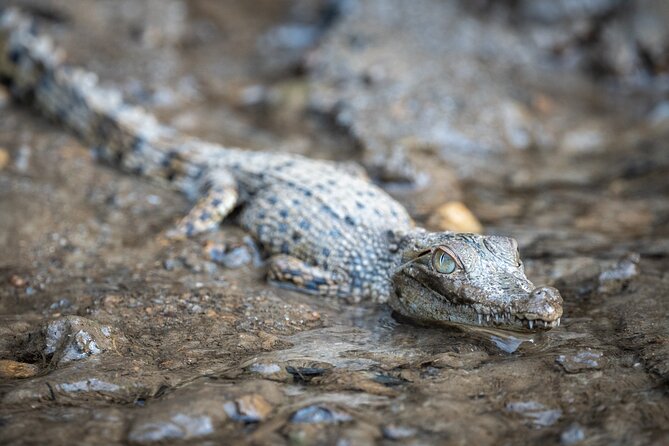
column 546, row 120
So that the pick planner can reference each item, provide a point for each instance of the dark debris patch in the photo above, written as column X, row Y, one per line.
column 389, row 380
column 305, row 374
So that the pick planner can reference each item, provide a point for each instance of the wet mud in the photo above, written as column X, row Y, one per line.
column 549, row 121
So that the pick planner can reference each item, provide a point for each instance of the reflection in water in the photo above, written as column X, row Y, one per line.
column 507, row 341
column 509, row 344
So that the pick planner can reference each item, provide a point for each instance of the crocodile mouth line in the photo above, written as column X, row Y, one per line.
column 504, row 318
column 493, row 317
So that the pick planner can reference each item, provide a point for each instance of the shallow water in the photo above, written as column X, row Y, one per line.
column 197, row 352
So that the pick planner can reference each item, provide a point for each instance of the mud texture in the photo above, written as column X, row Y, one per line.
column 549, row 120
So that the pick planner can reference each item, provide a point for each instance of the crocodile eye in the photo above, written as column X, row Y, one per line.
column 443, row 262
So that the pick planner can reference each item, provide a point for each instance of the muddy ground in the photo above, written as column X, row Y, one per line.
column 549, row 120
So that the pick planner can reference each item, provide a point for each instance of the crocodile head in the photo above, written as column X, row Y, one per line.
column 470, row 279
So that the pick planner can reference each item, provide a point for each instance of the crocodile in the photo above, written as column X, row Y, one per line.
column 325, row 227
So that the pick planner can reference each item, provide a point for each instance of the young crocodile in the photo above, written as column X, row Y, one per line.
column 326, row 228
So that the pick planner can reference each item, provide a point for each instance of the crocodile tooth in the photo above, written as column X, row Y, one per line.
column 497, row 319
column 487, row 318
column 479, row 317
column 531, row 324
column 558, row 322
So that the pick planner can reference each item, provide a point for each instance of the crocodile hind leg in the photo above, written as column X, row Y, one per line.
column 292, row 273
column 219, row 199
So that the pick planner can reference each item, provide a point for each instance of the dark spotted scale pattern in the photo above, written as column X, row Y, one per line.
column 309, row 209
column 330, row 229
column 326, row 228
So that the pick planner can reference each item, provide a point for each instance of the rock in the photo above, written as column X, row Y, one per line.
column 454, row 216
column 572, row 435
column 394, row 432
column 17, row 281
column 229, row 256
column 73, row 338
column 14, row 369
column 4, row 158
column 248, row 408
column 539, row 414
column 319, row 414
column 516, row 125
column 583, row 140
column 193, row 420
column 616, row 278
column 659, row 116
column 22, row 161
column 200, row 410
column 265, row 369
column 581, row 361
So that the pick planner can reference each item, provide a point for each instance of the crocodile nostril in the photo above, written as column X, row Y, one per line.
column 547, row 293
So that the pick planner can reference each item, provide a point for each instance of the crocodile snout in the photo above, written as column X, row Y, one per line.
column 544, row 302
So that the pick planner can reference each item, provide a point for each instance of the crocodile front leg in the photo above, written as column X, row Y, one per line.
column 219, row 199
column 292, row 273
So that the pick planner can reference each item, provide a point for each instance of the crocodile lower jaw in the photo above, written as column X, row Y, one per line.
column 514, row 321
column 508, row 320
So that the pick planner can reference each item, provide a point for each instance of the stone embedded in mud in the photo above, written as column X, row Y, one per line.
column 265, row 369
column 89, row 385
column 4, row 158
column 14, row 369
column 538, row 414
column 617, row 277
column 183, row 417
column 177, row 426
column 230, row 257
column 582, row 140
column 581, row 361
column 581, row 277
column 516, row 125
column 248, row 408
column 454, row 216
column 233, row 256
column 201, row 410
column 574, row 434
column 319, row 414
column 394, row 432
column 72, row 338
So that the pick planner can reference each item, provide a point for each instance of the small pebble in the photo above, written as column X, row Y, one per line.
column 319, row 414
column 393, row 432
column 265, row 369
column 4, row 158
column 229, row 256
column 72, row 338
column 574, row 434
column 17, row 281
column 454, row 216
column 248, row 409
column 15, row 369
column 581, row 361
column 537, row 413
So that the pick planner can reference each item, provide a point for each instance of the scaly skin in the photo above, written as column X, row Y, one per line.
column 326, row 228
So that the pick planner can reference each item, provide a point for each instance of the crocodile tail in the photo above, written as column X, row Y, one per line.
column 123, row 135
